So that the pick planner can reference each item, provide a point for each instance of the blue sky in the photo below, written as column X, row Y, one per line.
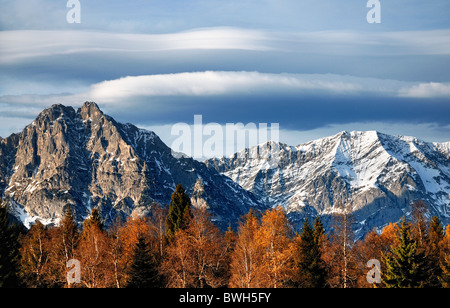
column 317, row 67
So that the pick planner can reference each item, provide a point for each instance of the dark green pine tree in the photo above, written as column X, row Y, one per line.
column 179, row 212
column 9, row 250
column 143, row 270
column 433, row 252
column 406, row 267
column 311, row 271
column 319, row 231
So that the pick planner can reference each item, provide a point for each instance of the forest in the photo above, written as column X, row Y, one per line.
column 180, row 247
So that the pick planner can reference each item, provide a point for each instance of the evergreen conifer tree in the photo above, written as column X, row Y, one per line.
column 406, row 267
column 143, row 270
column 433, row 252
column 179, row 212
column 311, row 272
column 9, row 250
column 319, row 231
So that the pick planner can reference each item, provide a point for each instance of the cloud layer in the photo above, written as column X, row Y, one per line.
column 232, row 84
column 212, row 83
column 26, row 44
column 427, row 90
column 312, row 66
column 296, row 101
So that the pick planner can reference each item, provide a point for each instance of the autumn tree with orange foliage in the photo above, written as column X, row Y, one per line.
column 92, row 251
column 115, row 251
column 263, row 255
column 247, row 259
column 445, row 264
column 374, row 246
column 197, row 255
column 134, row 228
column 64, row 241
column 340, row 254
column 35, row 252
column 274, row 237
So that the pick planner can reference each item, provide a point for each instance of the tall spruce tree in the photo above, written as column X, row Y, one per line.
column 311, row 271
column 179, row 212
column 319, row 231
column 433, row 252
column 9, row 250
column 406, row 267
column 143, row 270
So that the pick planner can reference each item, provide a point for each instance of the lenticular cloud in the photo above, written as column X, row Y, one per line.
column 219, row 83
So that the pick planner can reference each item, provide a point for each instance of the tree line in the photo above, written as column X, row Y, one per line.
column 180, row 247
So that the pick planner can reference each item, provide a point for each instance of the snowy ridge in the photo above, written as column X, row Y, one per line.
column 373, row 174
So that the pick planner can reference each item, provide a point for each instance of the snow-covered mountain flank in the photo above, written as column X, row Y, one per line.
column 370, row 174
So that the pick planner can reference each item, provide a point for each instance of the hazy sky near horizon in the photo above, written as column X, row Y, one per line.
column 316, row 67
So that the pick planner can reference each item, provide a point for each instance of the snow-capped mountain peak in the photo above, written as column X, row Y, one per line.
column 374, row 174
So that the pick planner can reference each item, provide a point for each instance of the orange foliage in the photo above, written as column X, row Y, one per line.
column 261, row 254
column 264, row 252
column 197, row 256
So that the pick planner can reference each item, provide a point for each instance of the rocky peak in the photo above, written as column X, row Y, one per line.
column 198, row 197
column 85, row 159
column 90, row 111
column 54, row 113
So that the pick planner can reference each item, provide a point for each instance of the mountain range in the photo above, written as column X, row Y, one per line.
column 84, row 159
column 372, row 175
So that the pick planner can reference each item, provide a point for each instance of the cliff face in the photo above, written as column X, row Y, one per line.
column 86, row 159
column 7, row 153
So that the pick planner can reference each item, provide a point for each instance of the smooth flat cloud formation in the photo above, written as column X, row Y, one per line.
column 296, row 101
column 26, row 44
column 306, row 81
column 212, row 83
column 230, row 83
column 233, row 83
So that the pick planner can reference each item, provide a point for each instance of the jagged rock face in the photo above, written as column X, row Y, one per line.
column 374, row 175
column 85, row 159
column 7, row 153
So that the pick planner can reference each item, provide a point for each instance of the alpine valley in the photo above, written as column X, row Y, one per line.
column 85, row 159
